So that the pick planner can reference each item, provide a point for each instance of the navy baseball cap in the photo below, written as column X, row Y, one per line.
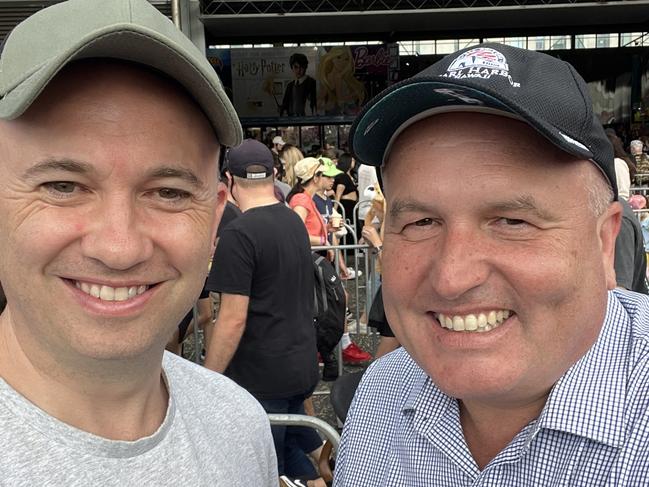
column 543, row 91
column 250, row 160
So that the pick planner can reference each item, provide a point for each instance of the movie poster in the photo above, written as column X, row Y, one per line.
column 261, row 78
column 303, row 81
column 349, row 76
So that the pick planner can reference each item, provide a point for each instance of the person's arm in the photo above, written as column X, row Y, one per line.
column 206, row 318
column 340, row 189
column 313, row 239
column 228, row 330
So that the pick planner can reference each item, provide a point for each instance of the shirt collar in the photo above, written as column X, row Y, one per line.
column 424, row 397
column 589, row 399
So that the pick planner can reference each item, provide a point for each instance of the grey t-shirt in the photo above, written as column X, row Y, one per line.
column 214, row 433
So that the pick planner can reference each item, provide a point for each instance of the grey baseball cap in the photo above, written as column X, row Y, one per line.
column 132, row 30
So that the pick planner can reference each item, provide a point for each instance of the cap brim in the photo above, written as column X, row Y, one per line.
column 143, row 46
column 383, row 119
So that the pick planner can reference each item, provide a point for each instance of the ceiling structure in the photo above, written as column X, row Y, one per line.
column 274, row 21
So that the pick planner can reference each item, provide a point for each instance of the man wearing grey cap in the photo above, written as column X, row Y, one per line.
column 522, row 365
column 111, row 127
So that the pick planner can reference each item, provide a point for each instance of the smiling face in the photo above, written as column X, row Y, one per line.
column 500, row 245
column 110, row 200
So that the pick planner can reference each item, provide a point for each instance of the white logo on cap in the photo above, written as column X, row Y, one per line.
column 371, row 126
column 256, row 175
column 480, row 62
column 460, row 95
column 574, row 142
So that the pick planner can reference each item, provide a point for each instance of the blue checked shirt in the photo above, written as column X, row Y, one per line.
column 593, row 431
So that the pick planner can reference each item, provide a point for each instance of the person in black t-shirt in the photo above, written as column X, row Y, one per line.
column 345, row 187
column 264, row 337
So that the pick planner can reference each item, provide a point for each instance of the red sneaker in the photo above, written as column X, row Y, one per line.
column 355, row 355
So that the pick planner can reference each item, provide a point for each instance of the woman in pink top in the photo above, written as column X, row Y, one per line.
column 310, row 180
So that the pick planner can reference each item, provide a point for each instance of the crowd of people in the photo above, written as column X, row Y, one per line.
column 513, row 277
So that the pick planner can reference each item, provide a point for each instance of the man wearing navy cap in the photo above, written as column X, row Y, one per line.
column 111, row 126
column 264, row 337
column 521, row 364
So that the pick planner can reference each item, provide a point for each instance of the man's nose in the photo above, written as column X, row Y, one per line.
column 459, row 263
column 117, row 237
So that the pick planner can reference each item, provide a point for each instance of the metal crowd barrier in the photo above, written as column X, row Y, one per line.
column 328, row 431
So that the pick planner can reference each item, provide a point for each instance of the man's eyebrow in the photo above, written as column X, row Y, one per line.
column 400, row 206
column 79, row 167
column 48, row 165
column 525, row 203
column 176, row 172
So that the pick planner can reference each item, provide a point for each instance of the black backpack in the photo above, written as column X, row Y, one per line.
column 329, row 305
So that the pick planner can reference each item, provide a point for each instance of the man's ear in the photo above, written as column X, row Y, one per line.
column 609, row 227
column 221, row 200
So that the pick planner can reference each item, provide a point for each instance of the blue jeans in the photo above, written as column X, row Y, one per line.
column 292, row 443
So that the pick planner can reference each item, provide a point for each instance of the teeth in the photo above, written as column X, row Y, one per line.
column 471, row 323
column 121, row 294
column 95, row 291
column 481, row 322
column 491, row 318
column 107, row 293
column 458, row 323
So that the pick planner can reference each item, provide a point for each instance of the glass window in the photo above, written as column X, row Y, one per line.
column 406, row 48
column 291, row 135
column 310, row 138
column 331, row 135
column 560, row 42
column 462, row 43
column 426, row 47
column 446, row 46
column 267, row 135
column 585, row 41
column 607, row 40
column 253, row 133
column 516, row 42
column 633, row 39
column 343, row 137
column 538, row 43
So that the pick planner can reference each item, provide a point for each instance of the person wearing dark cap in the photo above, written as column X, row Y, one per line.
column 521, row 363
column 112, row 124
column 264, row 337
